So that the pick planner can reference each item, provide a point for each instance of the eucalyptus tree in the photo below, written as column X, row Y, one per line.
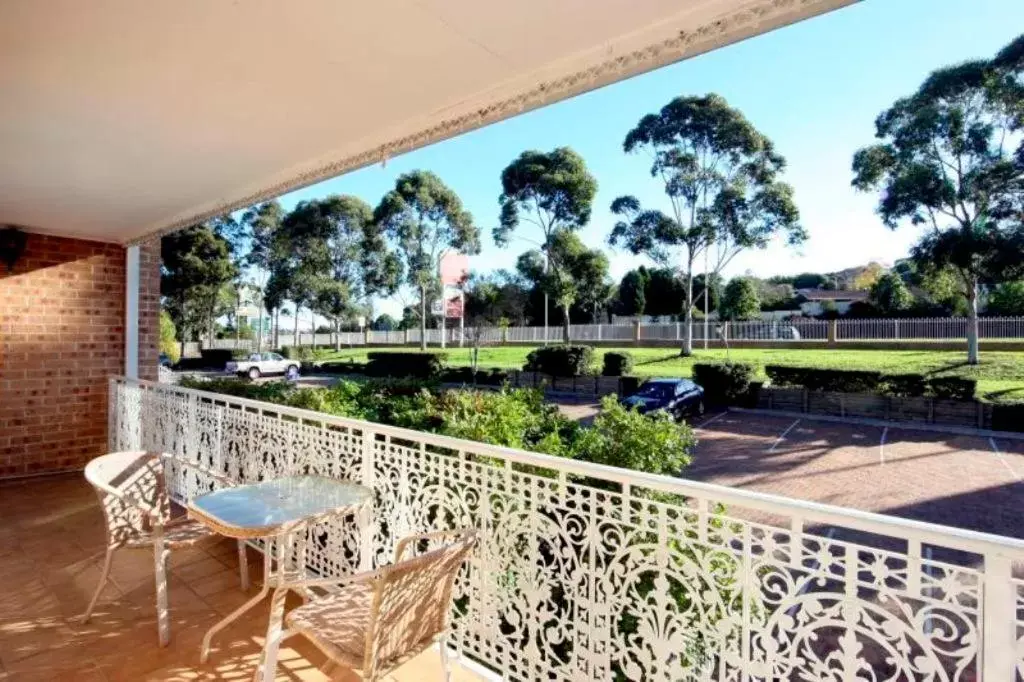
column 721, row 178
column 195, row 264
column 343, row 253
column 581, row 278
column 554, row 192
column 426, row 220
column 951, row 159
column 261, row 224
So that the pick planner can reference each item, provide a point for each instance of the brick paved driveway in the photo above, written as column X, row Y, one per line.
column 971, row 482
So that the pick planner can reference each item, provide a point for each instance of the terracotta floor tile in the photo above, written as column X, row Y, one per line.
column 31, row 599
column 59, row 521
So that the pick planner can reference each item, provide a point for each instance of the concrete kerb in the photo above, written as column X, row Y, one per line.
column 882, row 423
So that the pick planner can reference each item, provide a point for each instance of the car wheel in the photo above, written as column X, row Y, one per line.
column 254, row 373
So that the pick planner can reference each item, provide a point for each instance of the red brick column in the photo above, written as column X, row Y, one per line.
column 149, row 309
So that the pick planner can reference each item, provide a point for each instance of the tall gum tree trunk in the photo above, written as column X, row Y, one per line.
column 566, row 325
column 972, row 322
column 423, row 318
column 688, row 339
column 295, row 330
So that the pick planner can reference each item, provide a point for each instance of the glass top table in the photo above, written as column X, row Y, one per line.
column 259, row 510
column 280, row 511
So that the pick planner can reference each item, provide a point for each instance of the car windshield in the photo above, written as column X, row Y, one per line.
column 655, row 390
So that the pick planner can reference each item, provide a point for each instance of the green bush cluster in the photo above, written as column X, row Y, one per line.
column 511, row 417
column 560, row 361
column 617, row 364
column 421, row 365
column 815, row 379
column 1008, row 416
column 849, row 381
column 724, row 383
column 300, row 353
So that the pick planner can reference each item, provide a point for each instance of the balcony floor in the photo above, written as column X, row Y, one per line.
column 52, row 537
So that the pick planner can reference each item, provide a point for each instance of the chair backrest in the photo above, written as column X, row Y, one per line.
column 136, row 477
column 412, row 602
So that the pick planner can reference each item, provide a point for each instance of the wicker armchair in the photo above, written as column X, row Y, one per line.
column 379, row 620
column 133, row 493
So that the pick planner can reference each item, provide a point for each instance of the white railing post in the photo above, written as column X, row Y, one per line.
column 999, row 611
column 368, row 476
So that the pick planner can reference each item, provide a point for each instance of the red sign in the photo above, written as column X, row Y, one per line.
column 454, row 269
column 453, row 307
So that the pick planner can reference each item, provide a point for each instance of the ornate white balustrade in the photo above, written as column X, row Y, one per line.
column 587, row 572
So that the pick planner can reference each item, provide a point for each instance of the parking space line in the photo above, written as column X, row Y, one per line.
column 999, row 454
column 881, row 445
column 782, row 436
column 713, row 419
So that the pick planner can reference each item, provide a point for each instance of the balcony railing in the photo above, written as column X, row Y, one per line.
column 587, row 572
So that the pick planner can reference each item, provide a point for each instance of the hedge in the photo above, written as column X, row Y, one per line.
column 560, row 361
column 335, row 367
column 405, row 364
column 952, row 388
column 814, row 379
column 617, row 364
column 849, row 381
column 724, row 383
column 1008, row 416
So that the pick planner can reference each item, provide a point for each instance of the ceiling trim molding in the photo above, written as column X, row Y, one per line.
column 678, row 45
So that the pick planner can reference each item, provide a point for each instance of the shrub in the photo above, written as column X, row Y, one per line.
column 724, row 383
column 169, row 345
column 952, row 388
column 301, row 353
column 904, row 385
column 406, row 364
column 336, row 367
column 560, row 361
column 814, row 379
column 617, row 364
column 629, row 385
column 620, row 437
column 218, row 357
column 1008, row 416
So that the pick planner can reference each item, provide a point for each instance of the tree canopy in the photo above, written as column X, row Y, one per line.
column 739, row 300
column 951, row 158
column 553, row 191
column 425, row 219
column 196, row 264
column 721, row 177
column 889, row 295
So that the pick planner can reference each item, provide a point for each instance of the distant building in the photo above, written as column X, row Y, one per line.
column 815, row 300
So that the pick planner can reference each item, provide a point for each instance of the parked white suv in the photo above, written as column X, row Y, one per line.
column 260, row 364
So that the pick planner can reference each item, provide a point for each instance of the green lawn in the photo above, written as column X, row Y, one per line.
column 1000, row 375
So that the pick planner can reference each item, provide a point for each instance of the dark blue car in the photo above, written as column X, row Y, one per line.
column 678, row 397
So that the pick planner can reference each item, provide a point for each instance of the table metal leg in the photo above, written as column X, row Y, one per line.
column 289, row 562
column 268, row 577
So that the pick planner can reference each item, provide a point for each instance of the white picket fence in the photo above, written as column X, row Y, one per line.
column 799, row 329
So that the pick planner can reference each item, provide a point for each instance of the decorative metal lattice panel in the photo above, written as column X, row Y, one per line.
column 599, row 574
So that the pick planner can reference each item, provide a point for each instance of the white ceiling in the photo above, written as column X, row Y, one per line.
column 121, row 119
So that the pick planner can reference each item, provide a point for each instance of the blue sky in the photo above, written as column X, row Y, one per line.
column 813, row 88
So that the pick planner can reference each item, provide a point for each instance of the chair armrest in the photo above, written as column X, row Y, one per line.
column 365, row 576
column 409, row 539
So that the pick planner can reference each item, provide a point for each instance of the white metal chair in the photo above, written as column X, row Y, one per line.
column 380, row 619
column 133, row 493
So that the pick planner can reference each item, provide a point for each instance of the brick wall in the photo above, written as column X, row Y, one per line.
column 61, row 337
